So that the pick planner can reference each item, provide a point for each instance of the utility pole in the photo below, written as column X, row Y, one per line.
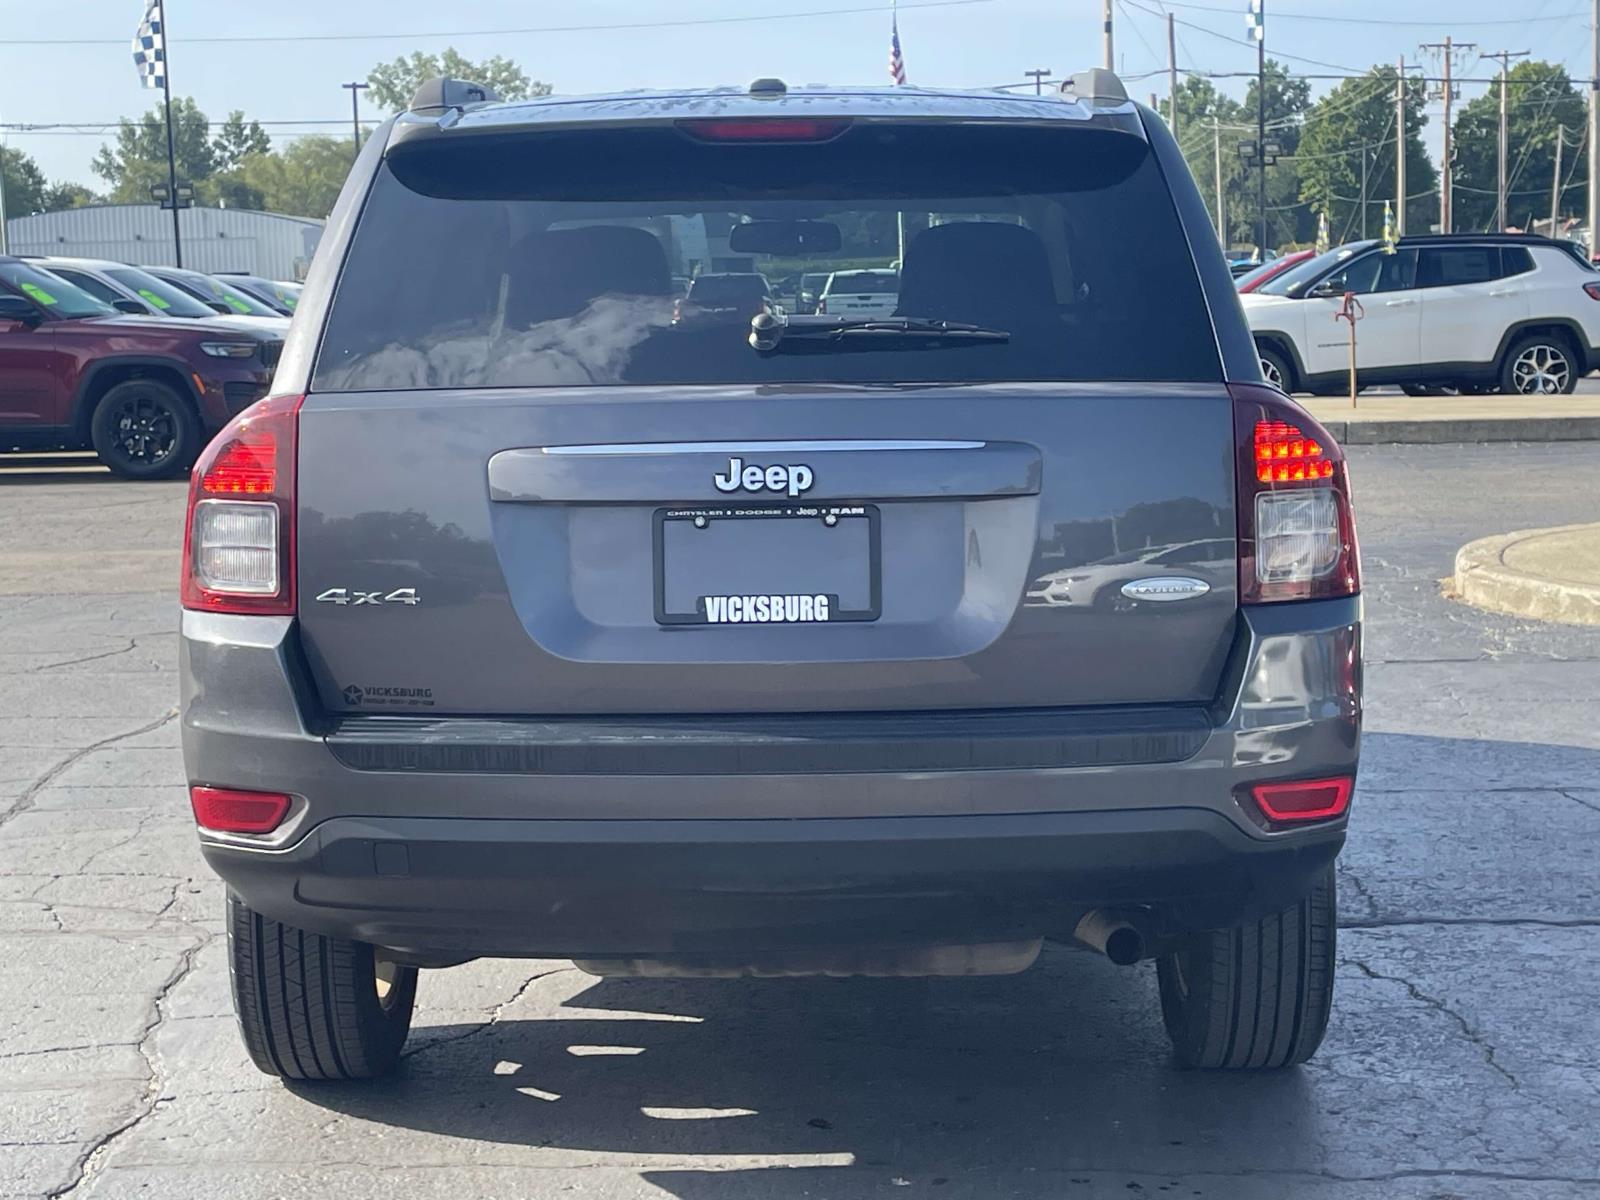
column 1400, row 149
column 1038, row 75
column 1594, row 125
column 1216, row 150
column 356, row 88
column 1555, row 182
column 1447, row 50
column 1258, row 11
column 1111, row 62
column 1172, row 75
column 1363, row 193
column 1505, row 57
column 3, row 249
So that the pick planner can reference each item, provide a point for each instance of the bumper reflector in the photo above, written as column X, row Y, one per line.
column 229, row 810
column 1303, row 799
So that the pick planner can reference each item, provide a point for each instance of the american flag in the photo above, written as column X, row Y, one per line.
column 149, row 48
column 897, row 63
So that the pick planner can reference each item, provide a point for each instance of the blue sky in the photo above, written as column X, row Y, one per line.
column 977, row 44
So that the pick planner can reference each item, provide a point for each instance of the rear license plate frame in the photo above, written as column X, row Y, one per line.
column 768, row 512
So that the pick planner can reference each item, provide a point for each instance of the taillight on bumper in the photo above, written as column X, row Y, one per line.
column 230, row 810
column 238, row 544
column 1297, row 533
column 1297, row 801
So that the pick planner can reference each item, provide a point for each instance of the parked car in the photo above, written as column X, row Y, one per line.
column 866, row 293
column 554, row 628
column 1271, row 269
column 135, row 290
column 1509, row 312
column 276, row 294
column 144, row 392
column 726, row 296
column 217, row 294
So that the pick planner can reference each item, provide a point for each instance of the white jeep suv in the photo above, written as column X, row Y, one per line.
column 1474, row 312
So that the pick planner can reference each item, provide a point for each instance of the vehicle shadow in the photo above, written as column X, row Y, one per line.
column 1022, row 1086
column 1063, row 1068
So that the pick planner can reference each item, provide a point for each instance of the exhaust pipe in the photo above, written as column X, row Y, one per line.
column 1114, row 937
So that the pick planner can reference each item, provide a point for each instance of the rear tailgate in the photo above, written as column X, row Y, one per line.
column 494, row 553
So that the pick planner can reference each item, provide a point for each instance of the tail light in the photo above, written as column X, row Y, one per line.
column 238, row 542
column 1296, row 801
column 1297, row 531
column 229, row 810
column 1593, row 289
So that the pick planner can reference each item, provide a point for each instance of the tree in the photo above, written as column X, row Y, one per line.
column 24, row 183
column 301, row 180
column 139, row 158
column 236, row 139
column 1540, row 100
column 1356, row 117
column 64, row 195
column 394, row 83
column 1199, row 104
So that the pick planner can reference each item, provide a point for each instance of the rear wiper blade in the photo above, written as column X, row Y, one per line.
column 772, row 334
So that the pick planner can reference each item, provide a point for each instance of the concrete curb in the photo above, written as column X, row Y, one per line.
column 1484, row 579
column 1356, row 432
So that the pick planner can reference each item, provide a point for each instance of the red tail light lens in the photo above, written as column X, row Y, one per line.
column 766, row 129
column 1297, row 532
column 238, row 545
column 1593, row 289
column 229, row 810
column 1303, row 800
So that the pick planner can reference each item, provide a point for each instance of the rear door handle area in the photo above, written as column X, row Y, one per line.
column 1398, row 303
column 1502, row 292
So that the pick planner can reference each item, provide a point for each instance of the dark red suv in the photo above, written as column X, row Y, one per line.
column 144, row 392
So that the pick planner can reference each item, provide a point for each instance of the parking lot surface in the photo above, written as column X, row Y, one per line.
column 1461, row 1060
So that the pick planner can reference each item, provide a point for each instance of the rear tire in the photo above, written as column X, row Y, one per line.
column 1540, row 364
column 1256, row 996
column 1275, row 368
column 315, row 1008
column 143, row 429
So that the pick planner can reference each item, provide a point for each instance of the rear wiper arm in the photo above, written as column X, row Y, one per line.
column 771, row 334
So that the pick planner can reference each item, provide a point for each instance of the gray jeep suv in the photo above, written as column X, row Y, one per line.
column 524, row 619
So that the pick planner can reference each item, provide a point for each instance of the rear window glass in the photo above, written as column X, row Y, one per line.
column 545, row 260
column 865, row 283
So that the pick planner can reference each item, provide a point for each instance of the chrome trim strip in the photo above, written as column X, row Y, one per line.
column 659, row 448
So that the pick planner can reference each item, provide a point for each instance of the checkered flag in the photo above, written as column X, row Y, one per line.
column 150, row 48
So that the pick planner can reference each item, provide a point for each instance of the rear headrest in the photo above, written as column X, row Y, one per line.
column 984, row 272
column 560, row 272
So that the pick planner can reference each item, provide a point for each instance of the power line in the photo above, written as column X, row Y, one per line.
column 1280, row 15
column 466, row 33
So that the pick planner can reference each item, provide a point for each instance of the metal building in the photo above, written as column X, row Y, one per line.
column 214, row 239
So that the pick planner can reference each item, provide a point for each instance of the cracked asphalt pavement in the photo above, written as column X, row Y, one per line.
column 1461, row 1061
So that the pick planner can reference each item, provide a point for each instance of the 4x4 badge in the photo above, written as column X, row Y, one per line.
column 347, row 596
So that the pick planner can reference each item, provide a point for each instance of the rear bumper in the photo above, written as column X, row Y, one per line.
column 450, row 838
column 451, row 887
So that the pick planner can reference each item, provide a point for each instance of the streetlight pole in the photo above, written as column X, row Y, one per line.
column 1111, row 64
column 356, row 88
column 1172, row 76
column 1594, row 125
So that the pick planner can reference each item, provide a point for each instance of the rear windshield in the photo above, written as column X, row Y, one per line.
column 865, row 283
column 165, row 298
column 543, row 260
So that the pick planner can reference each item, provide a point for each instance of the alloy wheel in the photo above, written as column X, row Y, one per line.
column 145, row 430
column 1269, row 369
column 1541, row 370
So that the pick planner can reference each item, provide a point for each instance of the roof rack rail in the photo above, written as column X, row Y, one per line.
column 440, row 95
column 1503, row 237
column 1095, row 86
